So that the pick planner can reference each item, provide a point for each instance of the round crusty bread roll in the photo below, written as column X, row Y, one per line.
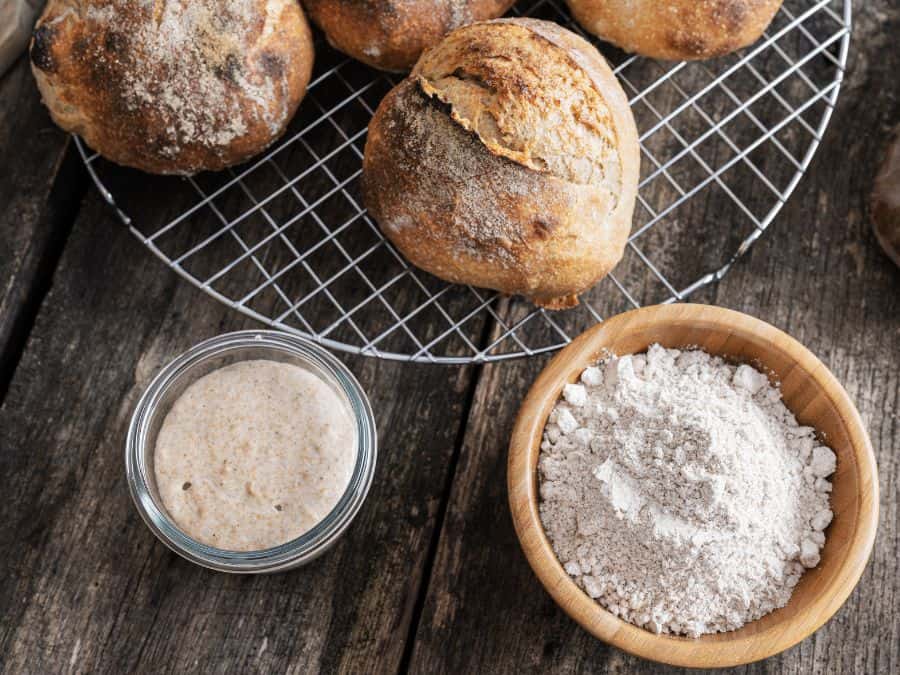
column 173, row 87
column 391, row 34
column 508, row 159
column 679, row 30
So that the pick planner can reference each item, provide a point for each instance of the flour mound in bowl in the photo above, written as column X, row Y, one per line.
column 681, row 493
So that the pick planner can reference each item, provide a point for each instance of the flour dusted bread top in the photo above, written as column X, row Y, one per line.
column 539, row 107
column 173, row 86
column 391, row 34
column 508, row 159
column 676, row 29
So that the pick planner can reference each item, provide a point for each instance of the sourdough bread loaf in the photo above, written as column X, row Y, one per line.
column 676, row 29
column 173, row 87
column 391, row 34
column 508, row 159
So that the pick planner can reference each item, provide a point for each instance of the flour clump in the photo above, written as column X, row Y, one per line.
column 680, row 493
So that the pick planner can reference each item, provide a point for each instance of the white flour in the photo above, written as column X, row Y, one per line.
column 680, row 492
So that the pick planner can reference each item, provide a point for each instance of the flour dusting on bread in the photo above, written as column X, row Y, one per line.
column 198, row 76
column 192, row 56
column 486, row 231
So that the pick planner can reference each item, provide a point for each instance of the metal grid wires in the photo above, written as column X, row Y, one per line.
column 285, row 238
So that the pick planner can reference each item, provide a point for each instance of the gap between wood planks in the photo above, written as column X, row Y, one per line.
column 431, row 554
column 70, row 184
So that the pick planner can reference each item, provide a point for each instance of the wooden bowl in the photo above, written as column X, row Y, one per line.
column 809, row 390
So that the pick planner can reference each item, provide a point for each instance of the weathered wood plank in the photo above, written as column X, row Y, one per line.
column 819, row 275
column 88, row 588
column 36, row 210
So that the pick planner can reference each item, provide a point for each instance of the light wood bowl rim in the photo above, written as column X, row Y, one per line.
column 679, row 651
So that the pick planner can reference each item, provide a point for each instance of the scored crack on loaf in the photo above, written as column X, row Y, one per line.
column 175, row 86
column 391, row 34
column 508, row 159
column 565, row 130
column 676, row 29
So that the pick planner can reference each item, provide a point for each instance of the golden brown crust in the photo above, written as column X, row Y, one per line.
column 676, row 29
column 173, row 86
column 466, row 194
column 391, row 34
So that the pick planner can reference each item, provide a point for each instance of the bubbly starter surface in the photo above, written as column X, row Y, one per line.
column 254, row 454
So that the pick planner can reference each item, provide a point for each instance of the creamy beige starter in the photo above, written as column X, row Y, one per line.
column 254, row 454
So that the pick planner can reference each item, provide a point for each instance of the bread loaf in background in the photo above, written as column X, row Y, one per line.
column 391, row 34
column 676, row 29
column 173, row 87
column 508, row 159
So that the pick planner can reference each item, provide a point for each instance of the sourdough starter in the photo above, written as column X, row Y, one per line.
column 681, row 493
column 254, row 454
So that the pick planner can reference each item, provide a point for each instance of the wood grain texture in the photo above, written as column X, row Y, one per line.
column 87, row 588
column 34, row 206
column 818, row 275
column 809, row 390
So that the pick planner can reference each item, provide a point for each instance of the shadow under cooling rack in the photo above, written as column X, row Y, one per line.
column 285, row 238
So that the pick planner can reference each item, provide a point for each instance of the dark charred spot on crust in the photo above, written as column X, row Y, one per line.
column 42, row 48
column 272, row 65
column 229, row 69
column 115, row 43
column 383, row 9
column 100, row 69
column 80, row 47
column 542, row 228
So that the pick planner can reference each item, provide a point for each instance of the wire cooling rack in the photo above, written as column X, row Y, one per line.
column 285, row 238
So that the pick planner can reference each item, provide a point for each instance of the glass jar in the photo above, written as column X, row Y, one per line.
column 203, row 359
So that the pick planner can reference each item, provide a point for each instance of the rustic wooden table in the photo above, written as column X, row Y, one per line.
column 430, row 577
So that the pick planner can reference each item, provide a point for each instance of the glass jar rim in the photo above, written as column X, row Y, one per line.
column 291, row 553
